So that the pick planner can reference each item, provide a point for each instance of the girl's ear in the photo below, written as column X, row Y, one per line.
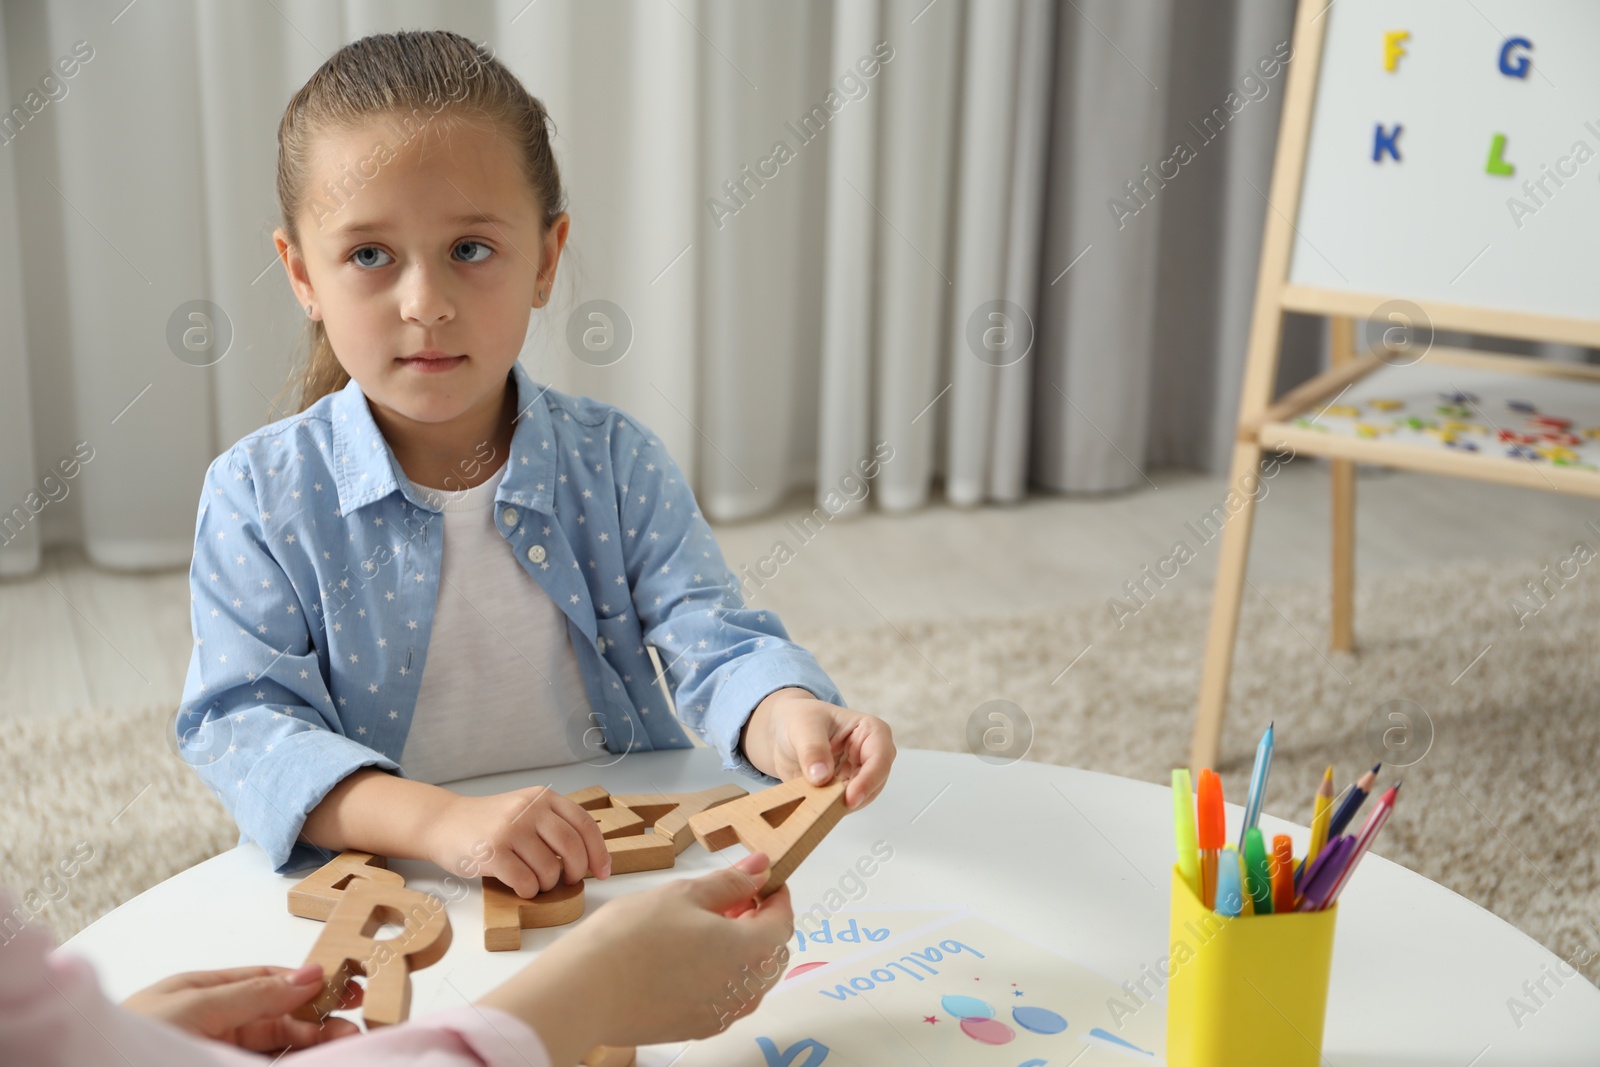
column 555, row 239
column 294, row 265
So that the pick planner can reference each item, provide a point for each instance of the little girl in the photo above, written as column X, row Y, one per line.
column 439, row 568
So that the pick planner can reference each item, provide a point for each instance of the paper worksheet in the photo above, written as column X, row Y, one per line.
column 959, row 990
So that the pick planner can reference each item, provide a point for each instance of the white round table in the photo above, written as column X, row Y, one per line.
column 1421, row 976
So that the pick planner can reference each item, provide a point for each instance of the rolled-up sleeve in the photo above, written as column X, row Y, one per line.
column 257, row 721
column 721, row 655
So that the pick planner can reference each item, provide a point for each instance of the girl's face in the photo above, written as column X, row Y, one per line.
column 438, row 251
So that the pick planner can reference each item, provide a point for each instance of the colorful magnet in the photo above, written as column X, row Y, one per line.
column 1497, row 163
column 1385, row 142
column 1515, row 66
column 1343, row 410
column 1387, row 405
column 1554, row 422
column 1393, row 49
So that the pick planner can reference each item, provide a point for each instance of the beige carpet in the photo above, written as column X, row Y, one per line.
column 1502, row 809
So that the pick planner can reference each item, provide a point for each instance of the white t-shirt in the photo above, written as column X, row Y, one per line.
column 501, row 688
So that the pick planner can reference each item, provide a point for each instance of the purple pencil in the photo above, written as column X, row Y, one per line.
column 1375, row 821
column 1323, row 874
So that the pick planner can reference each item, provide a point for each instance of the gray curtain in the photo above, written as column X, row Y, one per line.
column 1144, row 337
column 940, row 264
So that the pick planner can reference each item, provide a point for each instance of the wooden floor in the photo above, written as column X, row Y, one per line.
column 74, row 638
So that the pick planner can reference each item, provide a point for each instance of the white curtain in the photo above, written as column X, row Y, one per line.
column 933, row 265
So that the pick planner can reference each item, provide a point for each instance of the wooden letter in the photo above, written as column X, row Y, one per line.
column 617, row 821
column 591, row 797
column 786, row 822
column 506, row 915
column 642, row 852
column 669, row 813
column 623, row 829
column 314, row 896
column 347, row 947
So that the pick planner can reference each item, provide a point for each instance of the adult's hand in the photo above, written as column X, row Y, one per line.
column 657, row 966
column 246, row 1006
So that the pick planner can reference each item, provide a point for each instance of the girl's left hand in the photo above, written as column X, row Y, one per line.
column 792, row 733
column 246, row 1006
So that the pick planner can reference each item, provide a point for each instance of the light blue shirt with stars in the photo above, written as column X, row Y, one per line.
column 316, row 571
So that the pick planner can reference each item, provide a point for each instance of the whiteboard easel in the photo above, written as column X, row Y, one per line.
column 1289, row 280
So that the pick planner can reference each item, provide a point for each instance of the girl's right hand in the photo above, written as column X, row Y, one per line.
column 531, row 839
column 674, row 963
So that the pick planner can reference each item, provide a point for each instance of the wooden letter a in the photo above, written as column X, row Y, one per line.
column 786, row 822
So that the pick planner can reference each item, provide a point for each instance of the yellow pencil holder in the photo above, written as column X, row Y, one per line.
column 1246, row 991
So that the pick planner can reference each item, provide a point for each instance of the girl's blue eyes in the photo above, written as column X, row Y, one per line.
column 356, row 256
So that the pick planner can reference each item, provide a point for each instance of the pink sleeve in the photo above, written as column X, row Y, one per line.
column 456, row 1036
column 52, row 1012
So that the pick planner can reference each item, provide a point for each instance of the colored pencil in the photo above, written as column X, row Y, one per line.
column 1352, row 803
column 1258, row 784
column 1375, row 821
column 1321, row 875
column 1321, row 816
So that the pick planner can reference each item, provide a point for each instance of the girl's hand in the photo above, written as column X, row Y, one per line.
column 531, row 839
column 792, row 733
column 246, row 1006
column 675, row 963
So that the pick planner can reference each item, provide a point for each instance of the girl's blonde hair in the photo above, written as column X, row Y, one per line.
column 417, row 77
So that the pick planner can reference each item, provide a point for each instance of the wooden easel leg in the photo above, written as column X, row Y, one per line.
column 1224, row 626
column 1342, row 638
column 1341, row 350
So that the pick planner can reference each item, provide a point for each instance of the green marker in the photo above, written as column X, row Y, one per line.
column 1258, row 878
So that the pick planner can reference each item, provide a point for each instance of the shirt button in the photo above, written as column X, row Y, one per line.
column 536, row 553
column 600, row 643
column 509, row 516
